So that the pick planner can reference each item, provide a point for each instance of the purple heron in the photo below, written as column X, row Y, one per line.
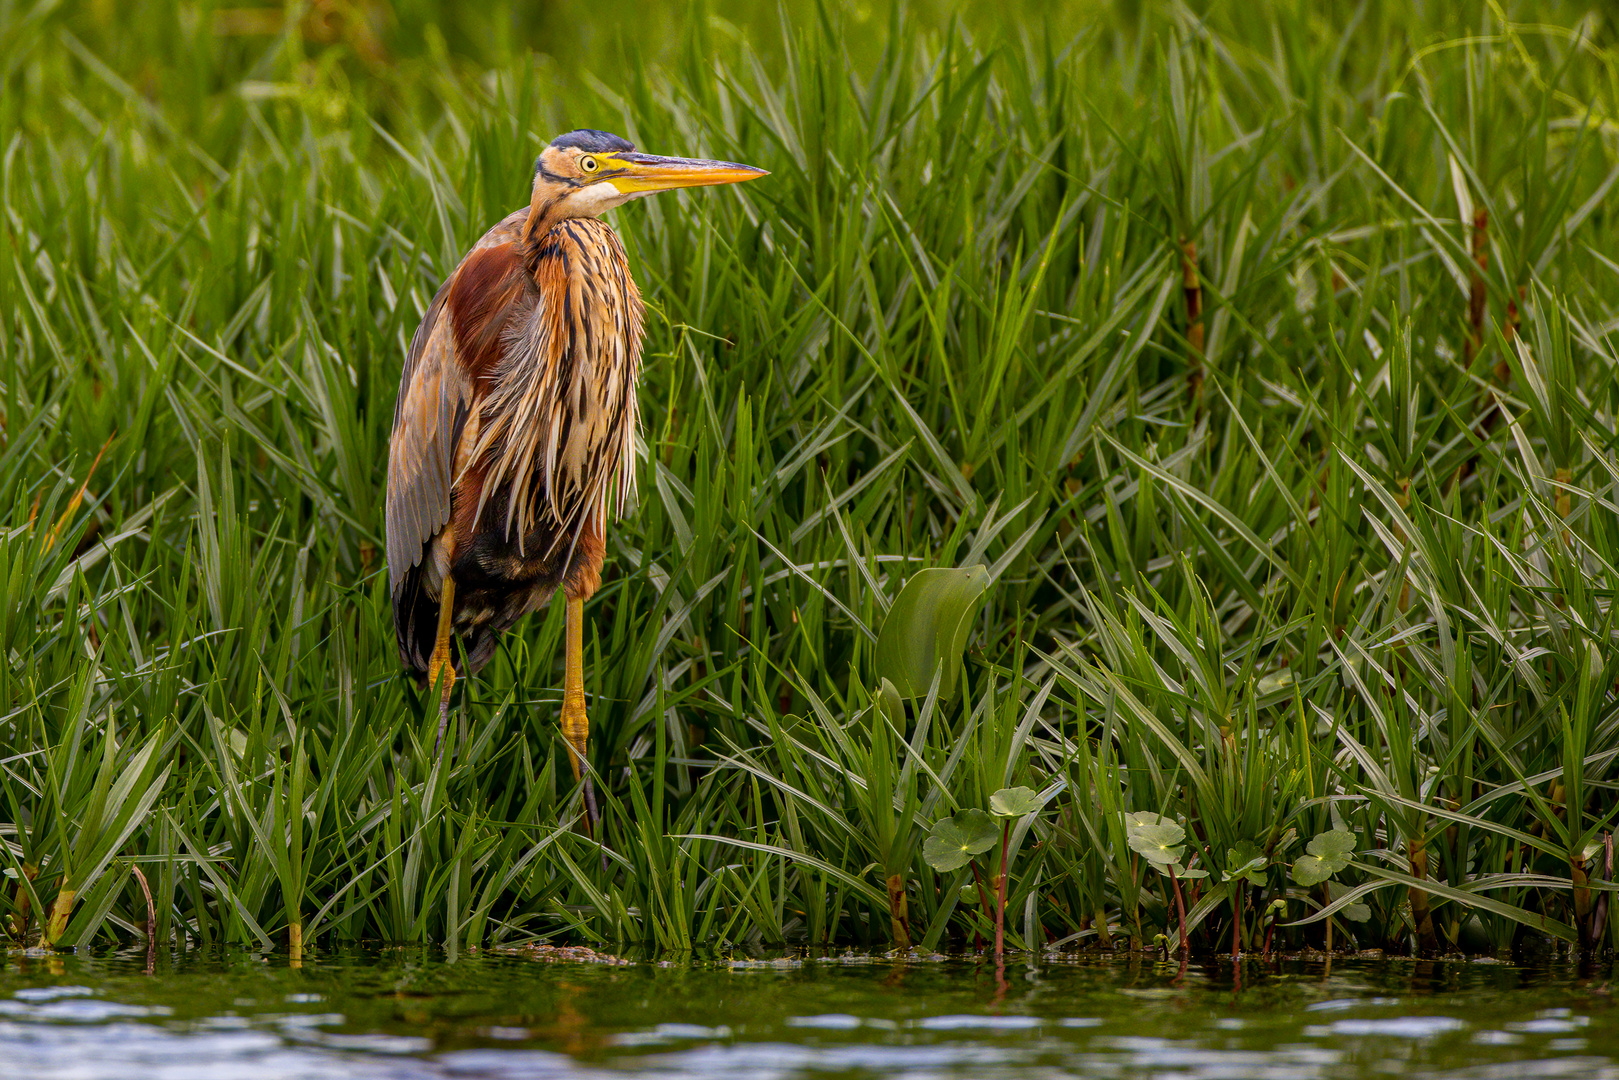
column 515, row 424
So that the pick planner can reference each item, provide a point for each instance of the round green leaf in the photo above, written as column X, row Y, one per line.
column 1333, row 844
column 953, row 841
column 1161, row 844
column 1328, row 854
column 1014, row 802
column 1145, row 817
column 1310, row 870
column 928, row 625
column 943, row 854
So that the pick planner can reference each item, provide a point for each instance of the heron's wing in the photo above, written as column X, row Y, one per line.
column 435, row 396
column 437, row 392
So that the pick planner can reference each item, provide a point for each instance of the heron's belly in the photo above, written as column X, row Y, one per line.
column 500, row 578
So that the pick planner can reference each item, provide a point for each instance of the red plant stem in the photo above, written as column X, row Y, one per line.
column 1236, row 919
column 1180, row 909
column 1000, row 892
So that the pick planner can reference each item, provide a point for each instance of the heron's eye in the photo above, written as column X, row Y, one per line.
column 588, row 164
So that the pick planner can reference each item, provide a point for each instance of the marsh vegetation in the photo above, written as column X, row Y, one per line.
column 1265, row 361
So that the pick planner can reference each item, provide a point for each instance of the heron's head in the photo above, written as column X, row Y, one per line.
column 586, row 173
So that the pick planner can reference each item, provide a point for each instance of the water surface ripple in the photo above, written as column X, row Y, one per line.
column 411, row 1013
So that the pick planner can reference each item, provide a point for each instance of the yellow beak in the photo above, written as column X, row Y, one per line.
column 632, row 173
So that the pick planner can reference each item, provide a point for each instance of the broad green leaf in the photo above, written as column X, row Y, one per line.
column 1246, row 862
column 956, row 839
column 1145, row 817
column 1014, row 802
column 1310, row 870
column 1328, row 853
column 1161, row 844
column 1276, row 680
column 1334, row 844
column 1180, row 871
column 1352, row 912
column 969, row 894
column 928, row 626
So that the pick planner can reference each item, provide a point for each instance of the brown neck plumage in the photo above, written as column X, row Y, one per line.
column 544, row 212
column 542, row 216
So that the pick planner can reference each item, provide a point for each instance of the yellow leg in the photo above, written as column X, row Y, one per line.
column 575, row 723
column 441, row 670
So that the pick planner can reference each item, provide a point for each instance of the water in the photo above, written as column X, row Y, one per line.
column 413, row 1013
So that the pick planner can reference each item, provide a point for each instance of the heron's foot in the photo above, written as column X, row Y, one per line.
column 576, row 730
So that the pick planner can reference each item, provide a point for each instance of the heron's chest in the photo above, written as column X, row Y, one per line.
column 558, row 416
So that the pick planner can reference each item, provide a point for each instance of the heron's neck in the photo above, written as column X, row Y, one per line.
column 544, row 214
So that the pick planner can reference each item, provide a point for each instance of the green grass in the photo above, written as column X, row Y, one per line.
column 1325, row 540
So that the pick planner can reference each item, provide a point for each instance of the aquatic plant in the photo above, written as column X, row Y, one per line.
column 955, row 841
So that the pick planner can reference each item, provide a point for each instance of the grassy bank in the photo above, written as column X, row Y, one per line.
column 1267, row 364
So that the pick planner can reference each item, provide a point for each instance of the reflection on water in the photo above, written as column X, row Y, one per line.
column 413, row 1013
